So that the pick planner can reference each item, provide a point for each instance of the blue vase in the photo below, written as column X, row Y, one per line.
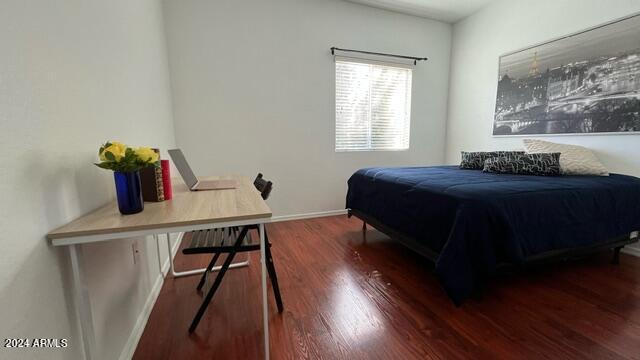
column 129, row 192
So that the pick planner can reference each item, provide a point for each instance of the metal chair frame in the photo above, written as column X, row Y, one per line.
column 230, row 241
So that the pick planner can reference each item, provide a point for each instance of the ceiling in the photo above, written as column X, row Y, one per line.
column 443, row 10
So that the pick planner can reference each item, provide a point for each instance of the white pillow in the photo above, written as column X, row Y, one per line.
column 574, row 159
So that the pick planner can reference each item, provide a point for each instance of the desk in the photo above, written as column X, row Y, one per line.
column 187, row 211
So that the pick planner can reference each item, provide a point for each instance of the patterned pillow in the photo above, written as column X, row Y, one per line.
column 574, row 159
column 544, row 164
column 475, row 160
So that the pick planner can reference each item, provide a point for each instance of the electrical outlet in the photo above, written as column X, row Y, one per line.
column 634, row 234
column 135, row 248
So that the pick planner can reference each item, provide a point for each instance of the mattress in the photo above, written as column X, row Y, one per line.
column 475, row 220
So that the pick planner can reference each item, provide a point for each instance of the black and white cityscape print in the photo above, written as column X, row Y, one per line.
column 584, row 83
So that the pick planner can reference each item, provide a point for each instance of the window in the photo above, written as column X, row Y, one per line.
column 373, row 106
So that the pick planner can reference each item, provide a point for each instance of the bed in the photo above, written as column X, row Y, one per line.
column 469, row 222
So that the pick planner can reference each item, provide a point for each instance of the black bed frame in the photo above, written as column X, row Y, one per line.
column 615, row 244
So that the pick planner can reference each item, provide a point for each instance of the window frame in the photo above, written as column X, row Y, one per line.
column 408, row 98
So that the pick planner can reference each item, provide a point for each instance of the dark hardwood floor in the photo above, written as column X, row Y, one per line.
column 347, row 298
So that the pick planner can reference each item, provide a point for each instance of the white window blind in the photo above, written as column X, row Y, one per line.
column 373, row 106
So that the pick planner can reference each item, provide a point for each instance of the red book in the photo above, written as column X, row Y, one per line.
column 166, row 179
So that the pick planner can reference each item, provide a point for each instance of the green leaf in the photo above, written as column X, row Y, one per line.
column 109, row 156
column 105, row 165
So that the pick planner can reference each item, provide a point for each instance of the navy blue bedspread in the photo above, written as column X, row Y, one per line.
column 475, row 220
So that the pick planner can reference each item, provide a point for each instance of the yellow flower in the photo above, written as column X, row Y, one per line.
column 117, row 149
column 147, row 155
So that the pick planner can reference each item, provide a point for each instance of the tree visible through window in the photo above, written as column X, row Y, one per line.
column 373, row 106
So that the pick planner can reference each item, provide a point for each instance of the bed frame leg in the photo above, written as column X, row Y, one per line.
column 616, row 255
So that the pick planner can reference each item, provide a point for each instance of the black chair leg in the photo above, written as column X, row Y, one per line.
column 209, row 267
column 216, row 284
column 616, row 255
column 271, row 269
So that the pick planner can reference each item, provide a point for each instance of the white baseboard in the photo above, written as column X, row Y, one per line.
column 141, row 322
column 136, row 333
column 308, row 215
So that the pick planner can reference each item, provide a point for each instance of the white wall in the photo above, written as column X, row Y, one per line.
column 509, row 25
column 253, row 90
column 72, row 75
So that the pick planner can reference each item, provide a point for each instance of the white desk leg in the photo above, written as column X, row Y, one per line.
column 265, row 309
column 157, row 238
column 198, row 271
column 82, row 304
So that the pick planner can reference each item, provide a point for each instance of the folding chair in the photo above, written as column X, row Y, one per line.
column 230, row 241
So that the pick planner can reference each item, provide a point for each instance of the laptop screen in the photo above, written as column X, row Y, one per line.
column 183, row 168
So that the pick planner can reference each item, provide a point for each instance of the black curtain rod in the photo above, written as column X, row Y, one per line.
column 415, row 59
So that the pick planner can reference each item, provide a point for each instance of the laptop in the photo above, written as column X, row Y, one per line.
column 190, row 178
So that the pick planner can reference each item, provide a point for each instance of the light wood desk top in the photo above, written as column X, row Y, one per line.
column 186, row 208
